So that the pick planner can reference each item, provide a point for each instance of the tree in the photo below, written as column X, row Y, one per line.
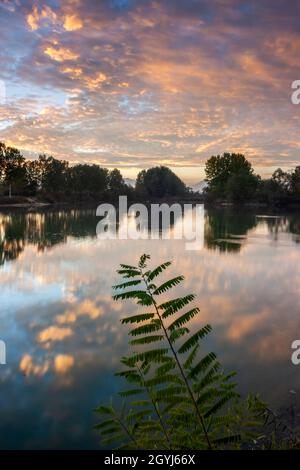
column 13, row 169
column 54, row 174
column 160, row 182
column 241, row 186
column 227, row 174
column 88, row 178
column 295, row 182
column 115, row 181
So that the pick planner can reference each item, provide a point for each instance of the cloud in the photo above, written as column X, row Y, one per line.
column 60, row 54
column 28, row 367
column 63, row 363
column 72, row 23
column 154, row 82
column 54, row 333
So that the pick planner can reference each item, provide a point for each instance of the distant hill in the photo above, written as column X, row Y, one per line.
column 130, row 182
column 199, row 187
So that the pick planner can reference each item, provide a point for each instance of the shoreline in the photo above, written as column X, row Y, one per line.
column 34, row 204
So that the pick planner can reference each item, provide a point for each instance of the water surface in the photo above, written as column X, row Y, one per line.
column 62, row 330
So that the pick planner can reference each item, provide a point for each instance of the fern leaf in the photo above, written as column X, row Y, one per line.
column 147, row 340
column 156, row 355
column 158, row 270
column 144, row 329
column 167, row 378
column 192, row 341
column 173, row 306
column 107, row 410
column 202, row 365
column 186, row 317
column 165, row 368
column 127, row 273
column 137, row 318
column 124, row 285
column 168, row 285
column 104, row 424
column 220, row 403
column 210, row 377
column 227, row 439
column 133, row 294
column 190, row 359
column 127, row 266
column 178, row 333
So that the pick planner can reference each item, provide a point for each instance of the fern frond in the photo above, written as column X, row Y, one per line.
column 147, row 340
column 144, row 329
column 106, row 410
column 227, row 439
column 178, row 333
column 220, row 403
column 153, row 274
column 137, row 318
column 162, row 379
column 143, row 261
column 202, row 365
column 127, row 266
column 185, row 318
column 192, row 341
column 133, row 294
column 126, row 273
column 156, row 355
column 168, row 285
column 190, row 359
column 210, row 377
column 173, row 306
column 165, row 368
column 124, row 285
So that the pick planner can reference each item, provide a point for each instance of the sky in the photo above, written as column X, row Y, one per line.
column 137, row 83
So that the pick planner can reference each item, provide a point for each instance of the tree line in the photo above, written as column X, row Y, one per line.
column 55, row 179
column 229, row 177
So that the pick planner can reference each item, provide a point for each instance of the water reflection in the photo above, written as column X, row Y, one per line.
column 63, row 333
column 224, row 229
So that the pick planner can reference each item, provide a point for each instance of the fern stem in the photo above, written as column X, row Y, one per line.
column 162, row 424
column 199, row 415
column 132, row 438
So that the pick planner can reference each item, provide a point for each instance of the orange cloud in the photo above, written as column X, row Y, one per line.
column 54, row 333
column 93, row 83
column 29, row 368
column 33, row 19
column 63, row 363
column 86, row 308
column 60, row 54
column 72, row 23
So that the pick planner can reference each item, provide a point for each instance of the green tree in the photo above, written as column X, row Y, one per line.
column 54, row 174
column 115, row 181
column 241, row 186
column 88, row 178
column 13, row 169
column 295, row 182
column 160, row 182
column 230, row 176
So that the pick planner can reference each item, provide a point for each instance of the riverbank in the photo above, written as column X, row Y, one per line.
column 33, row 202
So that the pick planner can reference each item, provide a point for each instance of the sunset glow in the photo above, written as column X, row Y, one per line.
column 132, row 84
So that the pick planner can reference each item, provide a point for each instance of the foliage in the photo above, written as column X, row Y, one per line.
column 178, row 396
column 230, row 176
column 159, row 182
